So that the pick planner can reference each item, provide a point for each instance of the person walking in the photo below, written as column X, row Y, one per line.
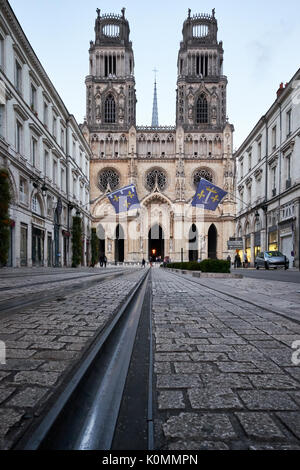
column 104, row 261
column 143, row 263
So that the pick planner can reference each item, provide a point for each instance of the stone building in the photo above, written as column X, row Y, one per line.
column 268, row 179
column 46, row 155
column 164, row 162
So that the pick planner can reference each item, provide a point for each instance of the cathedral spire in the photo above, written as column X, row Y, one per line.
column 154, row 109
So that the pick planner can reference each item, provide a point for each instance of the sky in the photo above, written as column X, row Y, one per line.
column 260, row 39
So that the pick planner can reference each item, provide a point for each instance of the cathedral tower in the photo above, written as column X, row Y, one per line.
column 111, row 100
column 201, row 93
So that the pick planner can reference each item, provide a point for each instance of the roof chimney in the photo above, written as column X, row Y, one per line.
column 280, row 89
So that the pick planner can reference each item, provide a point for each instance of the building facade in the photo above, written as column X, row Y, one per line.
column 45, row 153
column 164, row 162
column 268, row 179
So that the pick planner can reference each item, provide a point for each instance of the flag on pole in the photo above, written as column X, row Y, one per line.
column 124, row 199
column 208, row 195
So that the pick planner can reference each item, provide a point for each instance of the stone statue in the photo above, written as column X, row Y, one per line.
column 123, row 12
column 189, row 13
column 98, row 12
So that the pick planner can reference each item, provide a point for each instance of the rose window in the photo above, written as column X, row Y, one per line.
column 206, row 174
column 108, row 177
column 156, row 178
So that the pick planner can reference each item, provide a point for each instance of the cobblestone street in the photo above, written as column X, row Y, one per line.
column 43, row 344
column 224, row 372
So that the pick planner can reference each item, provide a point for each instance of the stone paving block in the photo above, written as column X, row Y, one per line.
column 5, row 393
column 226, row 380
column 169, row 357
column 214, row 398
column 8, row 418
column 194, row 367
column 275, row 381
column 19, row 364
column 208, row 357
column 162, row 368
column 28, row 397
column 55, row 355
column 75, row 346
column 217, row 348
column 18, row 354
column 242, row 367
column 172, row 347
column 200, row 427
column 178, row 381
column 36, row 378
column 193, row 445
column 47, row 345
column 294, row 371
column 267, row 400
column 259, row 426
column 170, row 399
column 291, row 421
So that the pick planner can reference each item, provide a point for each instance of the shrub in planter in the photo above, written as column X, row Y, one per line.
column 205, row 266
column 4, row 217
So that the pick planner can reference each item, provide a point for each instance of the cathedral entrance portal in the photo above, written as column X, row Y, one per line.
column 193, row 243
column 156, row 242
column 119, row 245
column 212, row 242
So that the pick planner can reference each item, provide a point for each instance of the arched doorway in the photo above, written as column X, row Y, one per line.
column 212, row 242
column 119, row 244
column 156, row 243
column 101, row 238
column 193, row 243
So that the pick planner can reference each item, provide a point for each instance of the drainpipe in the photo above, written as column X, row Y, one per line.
column 266, row 184
column 67, row 184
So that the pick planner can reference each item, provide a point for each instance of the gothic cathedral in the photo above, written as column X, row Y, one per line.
column 164, row 162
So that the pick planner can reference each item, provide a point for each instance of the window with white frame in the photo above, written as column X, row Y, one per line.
column 54, row 126
column 274, row 137
column 287, row 211
column 62, row 138
column 1, row 51
column 19, row 137
column 23, row 191
column 34, row 151
column 259, row 151
column 46, row 117
column 289, row 123
column 249, row 161
column 33, row 97
column 18, row 76
column 242, row 170
column 288, row 167
column 273, row 175
column 54, row 171
column 46, row 163
column 63, row 179
column 35, row 205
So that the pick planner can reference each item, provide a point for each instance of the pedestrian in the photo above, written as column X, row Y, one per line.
column 104, row 261
column 101, row 261
column 229, row 259
column 150, row 261
column 143, row 263
column 245, row 260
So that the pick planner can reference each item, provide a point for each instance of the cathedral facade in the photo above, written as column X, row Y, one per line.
column 165, row 163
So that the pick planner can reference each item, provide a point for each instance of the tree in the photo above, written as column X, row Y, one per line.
column 76, row 241
column 5, row 198
column 95, row 247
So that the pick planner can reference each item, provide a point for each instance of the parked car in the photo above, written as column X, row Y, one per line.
column 271, row 259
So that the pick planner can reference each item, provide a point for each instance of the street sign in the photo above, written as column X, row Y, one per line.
column 235, row 244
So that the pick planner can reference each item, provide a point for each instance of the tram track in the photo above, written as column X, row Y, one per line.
column 24, row 300
column 84, row 413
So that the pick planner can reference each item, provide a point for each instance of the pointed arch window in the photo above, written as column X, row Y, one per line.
column 202, row 110
column 110, row 109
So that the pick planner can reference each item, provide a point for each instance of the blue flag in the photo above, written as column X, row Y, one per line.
column 124, row 199
column 208, row 195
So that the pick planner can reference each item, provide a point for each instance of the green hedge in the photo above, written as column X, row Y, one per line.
column 205, row 266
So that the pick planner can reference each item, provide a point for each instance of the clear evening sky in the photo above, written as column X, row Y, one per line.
column 260, row 38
